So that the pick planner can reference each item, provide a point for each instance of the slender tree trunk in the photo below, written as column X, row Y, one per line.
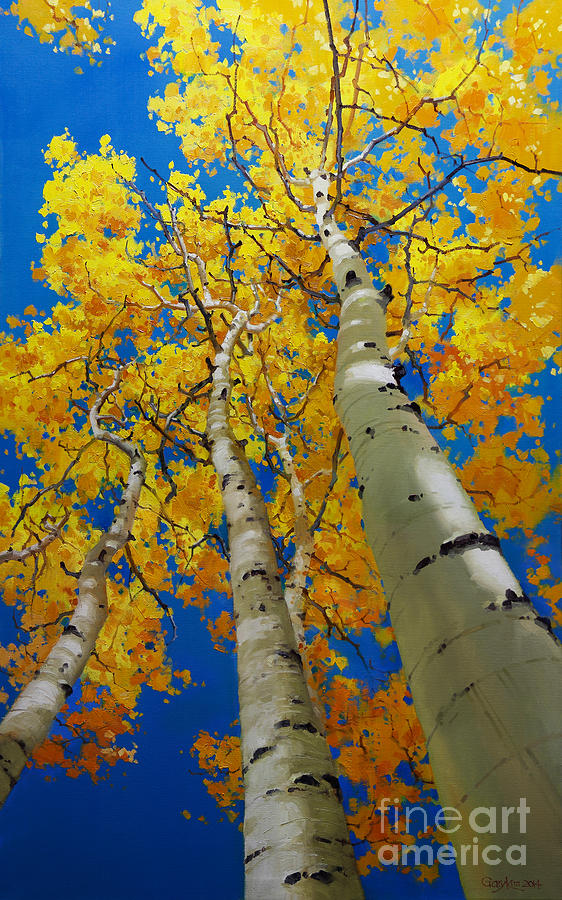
column 483, row 666
column 28, row 722
column 296, row 839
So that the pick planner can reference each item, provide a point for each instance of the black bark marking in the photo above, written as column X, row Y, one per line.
column 426, row 561
column 240, row 487
column 334, row 783
column 272, row 791
column 512, row 597
column 435, row 449
column 261, row 751
column 370, row 431
column 253, row 855
column 544, row 622
column 370, row 344
column 459, row 545
column 297, row 700
column 65, row 688
column 387, row 293
column 399, row 372
column 253, row 572
column 226, row 479
column 466, row 541
column 408, row 407
column 351, row 279
column 103, row 554
column 223, row 394
column 293, row 878
column 284, row 723
column 290, row 654
column 305, row 726
column 326, row 232
column 72, row 629
column 261, row 607
column 361, row 489
column 383, row 389
column 307, row 779
column 442, row 647
column 491, row 605
column 322, row 876
column 414, row 497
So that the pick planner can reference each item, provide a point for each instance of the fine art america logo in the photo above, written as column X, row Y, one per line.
column 483, row 821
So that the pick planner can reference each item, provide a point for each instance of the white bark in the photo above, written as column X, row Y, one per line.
column 295, row 833
column 303, row 540
column 28, row 722
column 53, row 530
column 483, row 667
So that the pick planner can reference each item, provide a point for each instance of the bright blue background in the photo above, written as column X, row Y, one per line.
column 124, row 839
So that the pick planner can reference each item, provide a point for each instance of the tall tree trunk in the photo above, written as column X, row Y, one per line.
column 28, row 722
column 296, row 839
column 482, row 665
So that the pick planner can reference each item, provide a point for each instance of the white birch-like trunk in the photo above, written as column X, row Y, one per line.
column 295, row 833
column 28, row 722
column 295, row 584
column 483, row 666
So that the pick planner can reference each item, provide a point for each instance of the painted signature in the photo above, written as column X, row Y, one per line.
column 499, row 884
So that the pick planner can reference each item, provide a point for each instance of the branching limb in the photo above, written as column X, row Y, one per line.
column 53, row 530
column 29, row 720
column 333, row 479
column 149, row 590
column 336, row 86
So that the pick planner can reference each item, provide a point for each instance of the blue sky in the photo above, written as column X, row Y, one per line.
column 124, row 839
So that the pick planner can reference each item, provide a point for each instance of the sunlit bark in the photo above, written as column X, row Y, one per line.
column 483, row 667
column 28, row 722
column 294, row 829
